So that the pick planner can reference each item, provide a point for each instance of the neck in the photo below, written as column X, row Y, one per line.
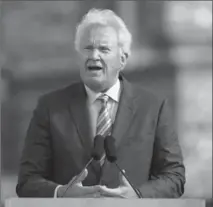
column 101, row 88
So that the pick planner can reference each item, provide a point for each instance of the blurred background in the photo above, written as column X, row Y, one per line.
column 171, row 55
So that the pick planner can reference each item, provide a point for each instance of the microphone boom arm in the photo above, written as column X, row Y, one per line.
column 76, row 178
column 135, row 189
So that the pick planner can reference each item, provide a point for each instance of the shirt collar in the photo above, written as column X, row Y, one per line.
column 113, row 92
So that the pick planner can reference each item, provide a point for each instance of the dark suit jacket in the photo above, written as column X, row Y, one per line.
column 58, row 145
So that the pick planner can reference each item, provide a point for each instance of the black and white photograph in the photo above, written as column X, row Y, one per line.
column 106, row 103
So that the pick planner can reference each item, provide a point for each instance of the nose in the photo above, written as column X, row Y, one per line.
column 94, row 54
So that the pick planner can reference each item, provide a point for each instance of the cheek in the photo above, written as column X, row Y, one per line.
column 112, row 60
column 81, row 61
column 113, row 65
column 82, row 55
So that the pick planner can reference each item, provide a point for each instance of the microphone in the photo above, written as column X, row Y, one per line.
column 110, row 150
column 98, row 147
column 97, row 152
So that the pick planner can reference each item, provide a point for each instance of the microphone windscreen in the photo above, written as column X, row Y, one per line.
column 98, row 148
column 110, row 149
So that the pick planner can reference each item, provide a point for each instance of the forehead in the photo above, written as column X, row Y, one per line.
column 98, row 34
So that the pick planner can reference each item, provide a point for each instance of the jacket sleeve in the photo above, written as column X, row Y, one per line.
column 36, row 162
column 167, row 173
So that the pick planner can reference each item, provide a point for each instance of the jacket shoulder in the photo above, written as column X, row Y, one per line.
column 61, row 94
column 145, row 94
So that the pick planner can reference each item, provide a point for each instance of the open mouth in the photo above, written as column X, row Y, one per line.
column 94, row 68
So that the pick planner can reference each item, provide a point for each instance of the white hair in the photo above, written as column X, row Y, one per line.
column 105, row 17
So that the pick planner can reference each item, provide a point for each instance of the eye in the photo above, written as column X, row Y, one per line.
column 104, row 49
column 89, row 47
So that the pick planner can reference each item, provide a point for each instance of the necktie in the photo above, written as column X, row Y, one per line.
column 104, row 122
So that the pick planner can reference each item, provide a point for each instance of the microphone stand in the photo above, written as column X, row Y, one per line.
column 76, row 178
column 135, row 189
column 79, row 175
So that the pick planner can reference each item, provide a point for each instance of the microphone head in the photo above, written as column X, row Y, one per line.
column 98, row 148
column 110, row 149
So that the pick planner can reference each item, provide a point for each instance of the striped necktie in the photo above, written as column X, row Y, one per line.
column 104, row 122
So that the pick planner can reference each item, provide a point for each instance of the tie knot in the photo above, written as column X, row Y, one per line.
column 103, row 98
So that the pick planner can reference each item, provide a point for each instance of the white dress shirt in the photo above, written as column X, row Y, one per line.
column 94, row 105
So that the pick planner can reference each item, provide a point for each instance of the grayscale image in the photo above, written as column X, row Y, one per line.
column 106, row 103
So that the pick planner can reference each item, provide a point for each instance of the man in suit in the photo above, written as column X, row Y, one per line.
column 60, row 136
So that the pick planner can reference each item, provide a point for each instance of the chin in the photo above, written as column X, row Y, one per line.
column 95, row 84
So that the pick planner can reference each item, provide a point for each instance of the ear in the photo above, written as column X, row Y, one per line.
column 123, row 58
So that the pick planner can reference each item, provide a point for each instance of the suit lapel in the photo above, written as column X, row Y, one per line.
column 79, row 112
column 123, row 120
column 125, row 112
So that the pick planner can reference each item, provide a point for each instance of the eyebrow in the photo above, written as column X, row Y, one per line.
column 103, row 46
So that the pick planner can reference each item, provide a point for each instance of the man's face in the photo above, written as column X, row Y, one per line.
column 100, row 56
